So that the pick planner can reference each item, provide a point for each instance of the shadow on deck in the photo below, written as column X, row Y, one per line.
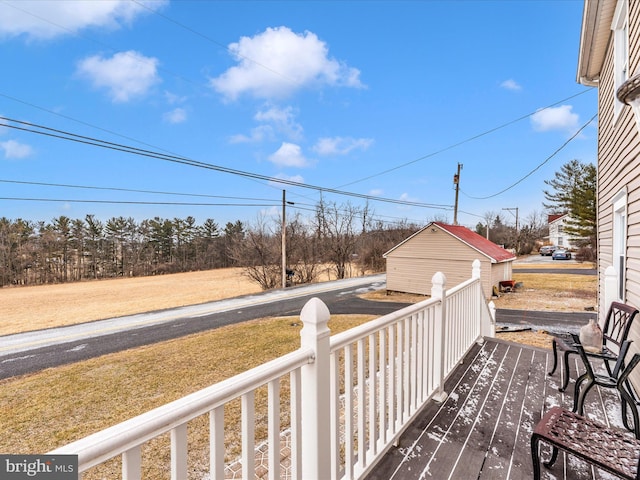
column 483, row 429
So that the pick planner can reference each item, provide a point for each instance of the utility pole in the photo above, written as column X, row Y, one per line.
column 284, row 238
column 456, row 183
column 511, row 210
column 517, row 236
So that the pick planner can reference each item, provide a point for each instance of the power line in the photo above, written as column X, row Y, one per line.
column 117, row 189
column 133, row 202
column 539, row 165
column 69, row 136
column 467, row 140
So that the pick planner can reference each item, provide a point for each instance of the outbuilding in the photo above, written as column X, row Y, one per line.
column 450, row 249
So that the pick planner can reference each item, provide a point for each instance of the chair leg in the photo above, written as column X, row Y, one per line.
column 627, row 399
column 567, row 372
column 554, row 347
column 578, row 400
column 535, row 444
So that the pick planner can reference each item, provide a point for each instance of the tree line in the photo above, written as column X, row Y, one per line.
column 71, row 250
column 340, row 236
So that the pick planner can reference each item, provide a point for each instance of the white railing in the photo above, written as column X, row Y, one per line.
column 337, row 402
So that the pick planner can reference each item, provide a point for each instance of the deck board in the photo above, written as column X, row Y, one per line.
column 483, row 429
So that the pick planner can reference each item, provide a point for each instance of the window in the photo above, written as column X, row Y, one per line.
column 620, row 27
column 619, row 239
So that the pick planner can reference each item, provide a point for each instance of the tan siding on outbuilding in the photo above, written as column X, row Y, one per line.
column 412, row 265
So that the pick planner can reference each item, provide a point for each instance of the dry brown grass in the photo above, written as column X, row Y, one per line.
column 49, row 409
column 46, row 306
column 551, row 292
column 33, row 308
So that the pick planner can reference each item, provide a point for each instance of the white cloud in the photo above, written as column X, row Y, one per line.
column 125, row 75
column 277, row 62
column 177, row 115
column 341, row 145
column 275, row 120
column 289, row 155
column 173, row 99
column 289, row 178
column 13, row 149
column 376, row 192
column 282, row 119
column 405, row 197
column 40, row 19
column 556, row 118
column 511, row 84
column 258, row 134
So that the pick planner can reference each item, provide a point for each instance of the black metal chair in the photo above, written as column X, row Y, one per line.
column 616, row 329
column 617, row 378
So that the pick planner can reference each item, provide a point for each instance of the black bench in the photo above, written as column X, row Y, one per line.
column 611, row 449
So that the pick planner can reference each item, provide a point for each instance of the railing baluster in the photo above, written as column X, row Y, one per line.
column 407, row 371
column 362, row 406
column 382, row 387
column 399, row 375
column 334, row 364
column 414, row 362
column 348, row 411
column 296, row 425
column 216, row 443
column 248, row 436
column 420, row 359
column 372, row 399
column 391, row 372
column 274, row 429
column 179, row 452
column 132, row 464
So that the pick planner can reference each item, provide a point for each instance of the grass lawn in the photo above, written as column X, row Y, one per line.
column 51, row 408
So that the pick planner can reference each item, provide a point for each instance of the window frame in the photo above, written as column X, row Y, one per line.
column 620, row 27
column 619, row 241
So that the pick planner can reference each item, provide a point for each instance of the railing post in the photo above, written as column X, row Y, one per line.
column 315, row 391
column 610, row 289
column 476, row 267
column 487, row 322
column 490, row 323
column 438, row 284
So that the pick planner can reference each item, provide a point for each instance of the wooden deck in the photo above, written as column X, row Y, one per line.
column 483, row 429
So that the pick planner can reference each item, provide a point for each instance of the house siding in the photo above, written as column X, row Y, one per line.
column 411, row 266
column 619, row 166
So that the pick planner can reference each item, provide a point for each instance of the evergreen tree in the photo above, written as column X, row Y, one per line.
column 574, row 192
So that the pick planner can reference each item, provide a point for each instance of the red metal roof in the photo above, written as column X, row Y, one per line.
column 555, row 216
column 471, row 238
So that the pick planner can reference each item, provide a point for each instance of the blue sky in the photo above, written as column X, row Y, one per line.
column 373, row 98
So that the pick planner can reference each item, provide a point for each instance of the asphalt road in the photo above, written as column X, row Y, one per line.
column 34, row 351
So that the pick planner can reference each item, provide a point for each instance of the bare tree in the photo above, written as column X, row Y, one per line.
column 303, row 250
column 335, row 226
column 260, row 254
